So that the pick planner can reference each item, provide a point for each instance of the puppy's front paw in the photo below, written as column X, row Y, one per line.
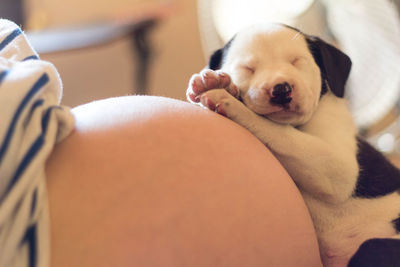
column 220, row 101
column 207, row 80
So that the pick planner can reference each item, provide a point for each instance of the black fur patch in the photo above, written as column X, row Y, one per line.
column 396, row 224
column 334, row 65
column 377, row 177
column 377, row 253
column 217, row 58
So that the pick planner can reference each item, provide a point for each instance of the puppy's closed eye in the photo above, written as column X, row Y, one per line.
column 297, row 61
column 247, row 68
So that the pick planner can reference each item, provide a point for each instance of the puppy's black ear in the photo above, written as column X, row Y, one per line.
column 334, row 65
column 216, row 59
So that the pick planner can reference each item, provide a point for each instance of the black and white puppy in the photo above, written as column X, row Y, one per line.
column 287, row 89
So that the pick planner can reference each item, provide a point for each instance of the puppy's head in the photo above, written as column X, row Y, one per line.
column 281, row 72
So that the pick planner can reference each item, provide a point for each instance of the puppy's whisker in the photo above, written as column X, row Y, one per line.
column 296, row 35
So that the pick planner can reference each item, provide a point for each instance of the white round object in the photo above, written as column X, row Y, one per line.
column 230, row 16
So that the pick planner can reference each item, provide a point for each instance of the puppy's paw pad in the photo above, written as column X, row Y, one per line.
column 211, row 79
column 195, row 89
column 208, row 80
column 224, row 79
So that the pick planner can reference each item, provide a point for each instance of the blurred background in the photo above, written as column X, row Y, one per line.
column 108, row 69
column 108, row 48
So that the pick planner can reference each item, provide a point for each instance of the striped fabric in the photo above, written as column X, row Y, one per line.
column 31, row 122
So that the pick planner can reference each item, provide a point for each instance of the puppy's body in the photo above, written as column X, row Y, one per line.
column 272, row 81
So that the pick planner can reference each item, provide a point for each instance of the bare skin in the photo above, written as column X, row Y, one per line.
column 147, row 181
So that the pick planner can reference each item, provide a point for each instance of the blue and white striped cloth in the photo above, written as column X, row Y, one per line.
column 31, row 122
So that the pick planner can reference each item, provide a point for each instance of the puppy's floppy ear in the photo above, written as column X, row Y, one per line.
column 334, row 65
column 216, row 59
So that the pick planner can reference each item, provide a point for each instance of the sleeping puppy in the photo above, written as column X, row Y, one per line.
column 287, row 89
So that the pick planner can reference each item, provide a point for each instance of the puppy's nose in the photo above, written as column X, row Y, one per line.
column 281, row 93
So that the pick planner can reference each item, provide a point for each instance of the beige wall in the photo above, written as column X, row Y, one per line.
column 179, row 52
column 107, row 71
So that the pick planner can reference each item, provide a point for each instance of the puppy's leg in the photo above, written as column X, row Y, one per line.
column 207, row 80
column 326, row 170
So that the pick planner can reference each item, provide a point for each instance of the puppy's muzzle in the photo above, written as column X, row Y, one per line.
column 281, row 94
